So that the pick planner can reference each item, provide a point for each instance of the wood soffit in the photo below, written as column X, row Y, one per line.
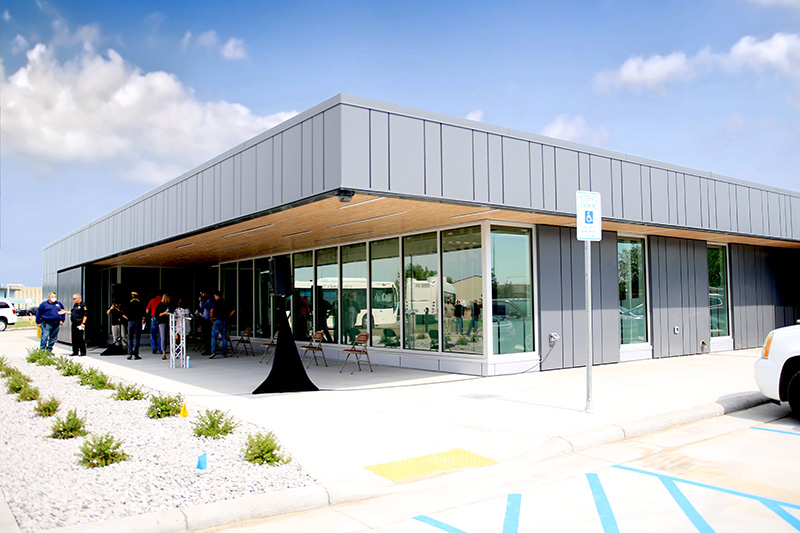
column 329, row 222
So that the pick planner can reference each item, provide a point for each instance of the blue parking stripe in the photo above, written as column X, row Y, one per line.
column 788, row 517
column 607, row 519
column 511, row 522
column 777, row 431
column 435, row 523
column 687, row 508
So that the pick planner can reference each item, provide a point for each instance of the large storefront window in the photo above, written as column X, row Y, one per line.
column 354, row 292
column 421, row 292
column 632, row 290
column 263, row 300
column 512, row 293
column 718, row 291
column 230, row 290
column 326, row 293
column 302, row 299
column 244, row 306
column 385, row 290
column 462, row 291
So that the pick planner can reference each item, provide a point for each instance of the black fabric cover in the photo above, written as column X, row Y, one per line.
column 288, row 373
column 114, row 349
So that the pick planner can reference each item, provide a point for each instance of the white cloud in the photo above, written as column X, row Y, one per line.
column 575, row 129
column 787, row 3
column 207, row 39
column 779, row 55
column 187, row 38
column 100, row 109
column 476, row 115
column 234, row 49
column 19, row 44
column 6, row 15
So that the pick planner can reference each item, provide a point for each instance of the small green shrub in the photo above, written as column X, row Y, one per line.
column 128, row 392
column 462, row 341
column 71, row 426
column 421, row 336
column 3, row 363
column 28, row 394
column 9, row 371
column 95, row 379
column 47, row 407
column 101, row 451
column 41, row 357
column 213, row 423
column 260, row 449
column 69, row 368
column 17, row 382
column 164, row 406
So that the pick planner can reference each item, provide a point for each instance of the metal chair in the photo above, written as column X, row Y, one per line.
column 358, row 349
column 244, row 340
column 272, row 344
column 314, row 346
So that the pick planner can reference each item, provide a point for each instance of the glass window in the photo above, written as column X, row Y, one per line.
column 326, row 293
column 354, row 292
column 462, row 291
column 229, row 289
column 421, row 292
column 302, row 299
column 718, row 291
column 263, row 306
column 244, row 305
column 632, row 290
column 512, row 290
column 385, row 290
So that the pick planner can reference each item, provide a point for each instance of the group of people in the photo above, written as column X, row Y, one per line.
column 131, row 318
column 460, row 310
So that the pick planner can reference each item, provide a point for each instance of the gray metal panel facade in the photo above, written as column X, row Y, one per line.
column 561, row 296
column 678, row 295
column 457, row 163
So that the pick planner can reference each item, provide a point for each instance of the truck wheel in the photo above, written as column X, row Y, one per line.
column 793, row 394
column 3, row 324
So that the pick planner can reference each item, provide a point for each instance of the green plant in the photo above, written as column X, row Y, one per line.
column 128, row 392
column 421, row 336
column 95, row 379
column 71, row 426
column 213, row 423
column 17, row 381
column 101, row 450
column 28, row 394
column 41, row 357
column 68, row 367
column 9, row 371
column 47, row 407
column 261, row 449
column 164, row 406
column 462, row 341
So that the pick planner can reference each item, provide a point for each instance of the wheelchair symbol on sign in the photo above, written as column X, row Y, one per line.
column 589, row 217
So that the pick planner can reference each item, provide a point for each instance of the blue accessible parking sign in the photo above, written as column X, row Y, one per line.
column 588, row 215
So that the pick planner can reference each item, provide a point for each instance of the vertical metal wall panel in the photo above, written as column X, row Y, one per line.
column 577, row 300
column 332, row 148
column 248, row 176
column 307, row 153
column 772, row 215
column 264, row 177
column 159, row 219
column 277, row 170
column 744, row 208
column 601, row 182
column 631, row 191
column 616, row 188
column 672, row 197
column 733, row 207
column 712, row 204
column 355, row 147
column 584, row 175
column 537, row 175
column 224, row 181
column 457, row 163
column 516, row 173
column 607, row 306
column 406, row 155
column 567, row 309
column 495, row 169
column 723, row 200
column 379, row 150
column 433, row 159
column 237, row 185
column 207, row 198
column 694, row 218
column 566, row 180
column 756, row 211
column 548, row 242
column 658, row 291
column 318, row 155
column 794, row 216
column 480, row 157
column 192, row 203
column 292, row 175
column 705, row 203
column 549, row 165
column 69, row 282
column 647, row 205
column 681, row 194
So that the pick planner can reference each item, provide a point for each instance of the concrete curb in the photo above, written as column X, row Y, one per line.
column 8, row 523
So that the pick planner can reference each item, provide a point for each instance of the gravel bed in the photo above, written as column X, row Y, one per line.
column 46, row 486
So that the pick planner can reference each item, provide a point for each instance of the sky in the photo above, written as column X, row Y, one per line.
column 103, row 101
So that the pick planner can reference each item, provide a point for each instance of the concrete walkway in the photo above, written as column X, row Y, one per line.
column 394, row 414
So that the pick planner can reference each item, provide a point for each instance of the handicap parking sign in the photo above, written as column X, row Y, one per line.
column 588, row 216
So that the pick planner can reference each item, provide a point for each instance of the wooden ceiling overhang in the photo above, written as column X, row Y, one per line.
column 326, row 221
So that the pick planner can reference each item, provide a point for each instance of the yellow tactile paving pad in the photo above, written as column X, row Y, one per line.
column 426, row 465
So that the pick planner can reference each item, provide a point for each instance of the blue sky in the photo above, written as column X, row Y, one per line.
column 103, row 101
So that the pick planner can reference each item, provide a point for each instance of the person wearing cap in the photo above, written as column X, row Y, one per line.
column 78, row 316
column 50, row 316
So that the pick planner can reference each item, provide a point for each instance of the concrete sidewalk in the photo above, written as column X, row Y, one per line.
column 365, row 419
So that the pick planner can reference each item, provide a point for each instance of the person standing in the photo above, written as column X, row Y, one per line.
column 134, row 313
column 151, row 312
column 206, row 303
column 50, row 316
column 220, row 314
column 476, row 314
column 119, row 326
column 163, row 309
column 78, row 317
column 458, row 313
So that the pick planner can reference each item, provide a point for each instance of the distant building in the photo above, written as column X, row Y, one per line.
column 21, row 297
column 379, row 207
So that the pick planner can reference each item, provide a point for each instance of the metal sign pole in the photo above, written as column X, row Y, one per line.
column 587, row 258
column 590, row 228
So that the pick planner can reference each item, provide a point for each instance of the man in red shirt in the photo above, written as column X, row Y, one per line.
column 151, row 312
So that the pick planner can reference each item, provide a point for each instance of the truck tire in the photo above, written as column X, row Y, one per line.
column 3, row 324
column 793, row 394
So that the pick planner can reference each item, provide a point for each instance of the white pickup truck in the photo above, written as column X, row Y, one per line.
column 778, row 369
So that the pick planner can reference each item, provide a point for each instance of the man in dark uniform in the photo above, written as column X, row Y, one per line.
column 78, row 316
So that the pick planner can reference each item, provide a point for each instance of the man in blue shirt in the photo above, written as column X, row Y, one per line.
column 206, row 302
column 50, row 316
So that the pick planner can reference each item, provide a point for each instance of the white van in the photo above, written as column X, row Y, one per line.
column 8, row 315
